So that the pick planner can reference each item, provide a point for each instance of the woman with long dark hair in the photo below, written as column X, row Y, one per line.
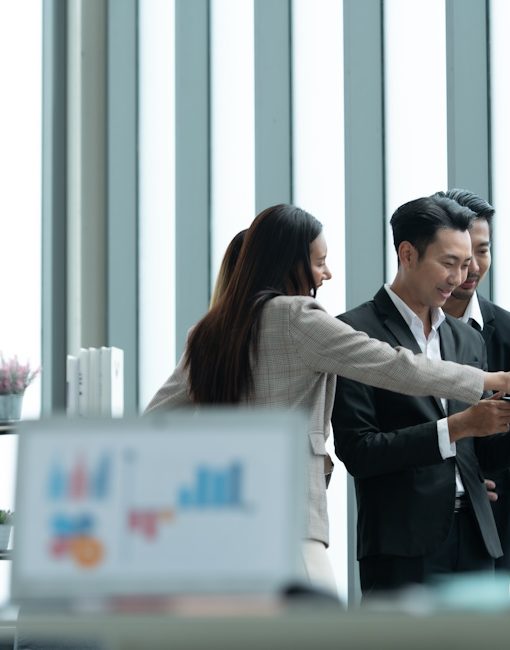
column 227, row 265
column 268, row 342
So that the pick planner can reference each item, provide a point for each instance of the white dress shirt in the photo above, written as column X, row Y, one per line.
column 473, row 311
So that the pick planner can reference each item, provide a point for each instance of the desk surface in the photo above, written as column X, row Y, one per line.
column 296, row 628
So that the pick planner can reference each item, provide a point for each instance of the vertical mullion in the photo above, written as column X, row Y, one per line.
column 364, row 168
column 54, row 206
column 192, row 151
column 467, row 96
column 122, row 196
column 364, row 150
column 273, row 149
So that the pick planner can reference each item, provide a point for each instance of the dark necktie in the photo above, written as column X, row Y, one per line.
column 474, row 325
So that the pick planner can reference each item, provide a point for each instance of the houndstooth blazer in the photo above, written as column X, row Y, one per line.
column 301, row 350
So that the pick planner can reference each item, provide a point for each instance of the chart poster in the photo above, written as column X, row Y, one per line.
column 203, row 502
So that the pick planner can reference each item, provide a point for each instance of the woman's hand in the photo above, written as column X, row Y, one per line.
column 497, row 381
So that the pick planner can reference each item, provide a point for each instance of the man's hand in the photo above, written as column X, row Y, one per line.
column 489, row 416
column 491, row 486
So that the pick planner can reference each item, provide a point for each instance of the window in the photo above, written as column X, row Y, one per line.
column 156, row 195
column 500, row 140
column 20, row 207
column 232, row 123
column 415, row 105
column 318, row 185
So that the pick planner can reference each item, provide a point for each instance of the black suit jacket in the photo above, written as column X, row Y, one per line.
column 388, row 442
column 496, row 334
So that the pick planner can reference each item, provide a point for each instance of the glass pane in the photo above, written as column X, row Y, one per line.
column 415, row 104
column 157, row 195
column 232, row 123
column 500, row 139
column 20, row 207
column 318, row 129
column 318, row 181
column 20, row 198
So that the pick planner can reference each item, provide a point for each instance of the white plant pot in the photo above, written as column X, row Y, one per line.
column 5, row 536
column 10, row 407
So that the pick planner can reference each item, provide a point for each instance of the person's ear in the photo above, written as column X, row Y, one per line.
column 407, row 254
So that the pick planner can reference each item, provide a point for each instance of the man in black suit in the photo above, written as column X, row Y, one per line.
column 494, row 324
column 422, row 504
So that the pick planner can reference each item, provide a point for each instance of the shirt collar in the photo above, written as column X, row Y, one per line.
column 473, row 311
column 437, row 314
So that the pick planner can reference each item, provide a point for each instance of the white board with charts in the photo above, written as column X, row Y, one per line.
column 181, row 503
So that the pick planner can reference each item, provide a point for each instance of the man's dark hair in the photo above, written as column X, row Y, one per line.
column 482, row 208
column 418, row 221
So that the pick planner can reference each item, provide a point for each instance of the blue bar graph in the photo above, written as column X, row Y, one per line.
column 213, row 488
column 101, row 478
column 57, row 482
column 235, row 484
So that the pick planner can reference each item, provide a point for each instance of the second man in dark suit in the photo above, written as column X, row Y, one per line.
column 494, row 324
column 422, row 504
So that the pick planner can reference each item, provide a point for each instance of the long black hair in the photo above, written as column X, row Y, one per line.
column 274, row 260
column 227, row 265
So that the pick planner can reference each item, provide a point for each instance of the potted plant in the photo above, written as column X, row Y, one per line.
column 15, row 377
column 6, row 520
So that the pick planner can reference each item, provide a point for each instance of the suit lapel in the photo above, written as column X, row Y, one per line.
column 488, row 319
column 395, row 323
column 487, row 332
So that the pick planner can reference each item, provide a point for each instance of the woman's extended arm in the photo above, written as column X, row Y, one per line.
column 329, row 345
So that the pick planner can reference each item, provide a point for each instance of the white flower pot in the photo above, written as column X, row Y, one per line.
column 10, row 407
column 5, row 536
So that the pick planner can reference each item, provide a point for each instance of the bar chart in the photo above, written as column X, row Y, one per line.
column 80, row 482
column 212, row 488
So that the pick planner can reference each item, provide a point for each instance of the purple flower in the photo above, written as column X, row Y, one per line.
column 15, row 376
